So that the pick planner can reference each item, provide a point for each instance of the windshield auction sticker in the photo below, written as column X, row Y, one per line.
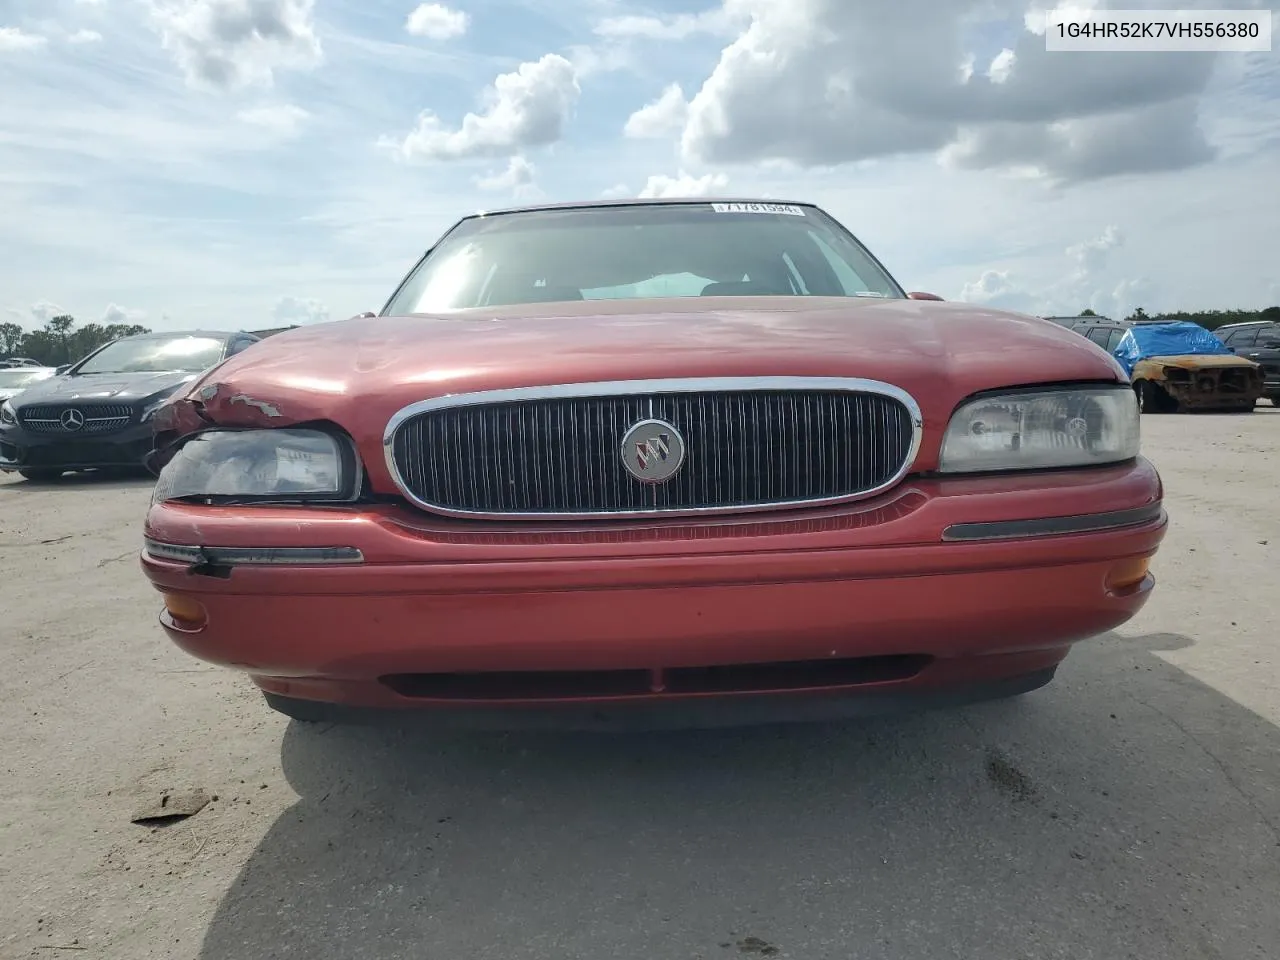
column 783, row 208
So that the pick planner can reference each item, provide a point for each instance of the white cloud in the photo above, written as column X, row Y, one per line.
column 528, row 107
column 663, row 117
column 1090, row 282
column 227, row 44
column 717, row 21
column 1129, row 295
column 85, row 36
column 42, row 311
column 435, row 21
column 992, row 284
column 1002, row 66
column 15, row 40
column 289, row 311
column 1123, row 298
column 1091, row 256
column 281, row 119
column 999, row 290
column 1147, row 140
column 516, row 177
column 1036, row 21
column 118, row 314
column 683, row 185
column 608, row 57
column 617, row 192
column 818, row 83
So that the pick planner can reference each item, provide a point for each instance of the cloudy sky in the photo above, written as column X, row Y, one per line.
column 242, row 163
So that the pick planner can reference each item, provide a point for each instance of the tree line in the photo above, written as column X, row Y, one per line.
column 1209, row 319
column 60, row 341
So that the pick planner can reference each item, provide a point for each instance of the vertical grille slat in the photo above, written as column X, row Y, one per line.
column 562, row 455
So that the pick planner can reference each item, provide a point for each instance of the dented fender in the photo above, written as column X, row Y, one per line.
column 216, row 404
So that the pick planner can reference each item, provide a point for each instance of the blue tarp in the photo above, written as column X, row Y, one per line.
column 1175, row 339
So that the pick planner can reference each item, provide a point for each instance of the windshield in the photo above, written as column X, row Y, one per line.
column 155, row 355
column 14, row 378
column 640, row 252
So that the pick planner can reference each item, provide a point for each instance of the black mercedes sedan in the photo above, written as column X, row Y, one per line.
column 97, row 414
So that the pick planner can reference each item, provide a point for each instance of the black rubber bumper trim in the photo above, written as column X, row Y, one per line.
column 1054, row 526
column 692, row 714
column 252, row 556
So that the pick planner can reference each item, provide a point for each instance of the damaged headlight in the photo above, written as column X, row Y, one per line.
column 261, row 465
column 1040, row 429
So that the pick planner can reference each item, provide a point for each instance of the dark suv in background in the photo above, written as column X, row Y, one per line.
column 1259, row 341
column 1103, row 331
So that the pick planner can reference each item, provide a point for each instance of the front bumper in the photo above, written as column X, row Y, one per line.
column 926, row 588
column 26, row 449
column 1214, row 389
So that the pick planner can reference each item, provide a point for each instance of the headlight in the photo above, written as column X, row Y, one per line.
column 7, row 413
column 1032, row 430
column 262, row 465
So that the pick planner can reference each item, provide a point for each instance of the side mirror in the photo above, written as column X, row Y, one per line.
column 59, row 371
column 917, row 295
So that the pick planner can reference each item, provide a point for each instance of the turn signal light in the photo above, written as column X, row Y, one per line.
column 1128, row 573
column 187, row 613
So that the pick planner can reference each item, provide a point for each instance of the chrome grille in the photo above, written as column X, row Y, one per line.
column 556, row 451
column 98, row 418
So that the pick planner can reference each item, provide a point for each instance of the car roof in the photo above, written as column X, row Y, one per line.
column 638, row 202
column 1245, row 323
column 167, row 334
column 1082, row 319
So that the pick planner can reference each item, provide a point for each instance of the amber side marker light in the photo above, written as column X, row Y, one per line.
column 1128, row 573
column 186, row 613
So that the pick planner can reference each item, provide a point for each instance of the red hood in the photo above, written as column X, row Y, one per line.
column 359, row 372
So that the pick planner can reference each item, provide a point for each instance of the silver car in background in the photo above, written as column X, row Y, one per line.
column 13, row 380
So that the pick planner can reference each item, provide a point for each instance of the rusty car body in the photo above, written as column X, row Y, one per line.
column 678, row 462
column 1177, row 366
column 1197, row 382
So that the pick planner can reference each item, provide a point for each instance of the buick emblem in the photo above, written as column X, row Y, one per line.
column 653, row 451
column 71, row 420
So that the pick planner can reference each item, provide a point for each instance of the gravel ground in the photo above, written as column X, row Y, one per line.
column 1131, row 809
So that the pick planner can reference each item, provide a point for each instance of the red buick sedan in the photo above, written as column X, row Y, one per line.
column 675, row 462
